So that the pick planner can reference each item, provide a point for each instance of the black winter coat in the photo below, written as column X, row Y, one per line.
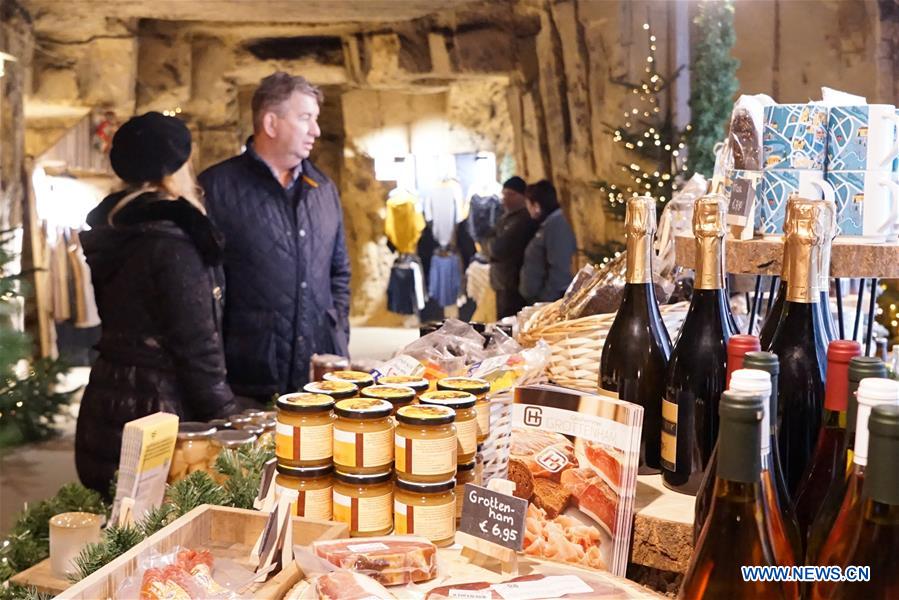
column 287, row 272
column 159, row 299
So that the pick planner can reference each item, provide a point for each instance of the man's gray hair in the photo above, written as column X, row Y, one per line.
column 275, row 89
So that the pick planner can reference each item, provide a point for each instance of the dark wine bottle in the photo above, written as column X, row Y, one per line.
column 736, row 533
column 737, row 347
column 697, row 369
column 876, row 539
column 871, row 392
column 776, row 487
column 636, row 351
column 799, row 341
column 828, row 460
column 769, row 325
column 860, row 367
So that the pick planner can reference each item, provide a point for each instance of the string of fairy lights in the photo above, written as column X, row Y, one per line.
column 648, row 132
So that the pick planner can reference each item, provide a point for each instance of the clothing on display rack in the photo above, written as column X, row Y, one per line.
column 405, row 289
column 70, row 281
column 445, row 279
column 443, row 210
column 477, row 287
column 404, row 221
column 483, row 214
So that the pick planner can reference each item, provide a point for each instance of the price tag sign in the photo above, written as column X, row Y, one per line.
column 493, row 517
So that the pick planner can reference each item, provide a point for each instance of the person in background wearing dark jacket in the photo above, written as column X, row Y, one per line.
column 286, row 264
column 546, row 271
column 155, row 266
column 505, row 247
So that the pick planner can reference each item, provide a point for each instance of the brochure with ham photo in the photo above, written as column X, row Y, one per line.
column 574, row 457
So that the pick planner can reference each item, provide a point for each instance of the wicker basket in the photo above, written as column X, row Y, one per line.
column 576, row 345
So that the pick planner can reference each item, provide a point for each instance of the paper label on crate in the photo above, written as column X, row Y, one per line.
column 372, row 547
column 550, row 587
column 471, row 594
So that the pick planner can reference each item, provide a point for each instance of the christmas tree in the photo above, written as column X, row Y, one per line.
column 28, row 401
column 713, row 81
column 653, row 145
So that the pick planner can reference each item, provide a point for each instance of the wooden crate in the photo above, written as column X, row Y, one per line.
column 226, row 532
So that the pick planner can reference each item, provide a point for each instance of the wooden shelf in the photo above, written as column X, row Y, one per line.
column 763, row 257
column 663, row 526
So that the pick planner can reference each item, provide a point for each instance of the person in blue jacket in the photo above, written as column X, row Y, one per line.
column 287, row 271
column 547, row 267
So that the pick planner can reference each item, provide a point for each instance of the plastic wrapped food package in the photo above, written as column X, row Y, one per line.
column 185, row 574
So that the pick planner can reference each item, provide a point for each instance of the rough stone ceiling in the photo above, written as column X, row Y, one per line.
column 244, row 11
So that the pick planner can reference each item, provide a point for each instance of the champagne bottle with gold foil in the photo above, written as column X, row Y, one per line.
column 698, row 366
column 877, row 534
column 799, row 341
column 736, row 533
column 636, row 351
column 860, row 368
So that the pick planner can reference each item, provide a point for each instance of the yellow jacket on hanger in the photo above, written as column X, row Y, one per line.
column 404, row 222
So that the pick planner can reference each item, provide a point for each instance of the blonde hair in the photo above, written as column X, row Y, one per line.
column 182, row 184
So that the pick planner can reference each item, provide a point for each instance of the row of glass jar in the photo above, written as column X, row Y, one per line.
column 337, row 384
column 424, row 441
column 377, row 503
column 199, row 444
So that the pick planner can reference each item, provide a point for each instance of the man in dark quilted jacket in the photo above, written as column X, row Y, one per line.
column 287, row 272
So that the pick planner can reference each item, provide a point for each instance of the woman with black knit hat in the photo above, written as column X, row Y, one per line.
column 155, row 266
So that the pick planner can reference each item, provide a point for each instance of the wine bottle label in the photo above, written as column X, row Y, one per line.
column 669, row 435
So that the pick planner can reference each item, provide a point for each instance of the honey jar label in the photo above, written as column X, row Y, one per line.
column 436, row 523
column 426, row 457
column 467, row 433
column 373, row 449
column 311, row 442
column 312, row 504
column 483, row 410
column 364, row 515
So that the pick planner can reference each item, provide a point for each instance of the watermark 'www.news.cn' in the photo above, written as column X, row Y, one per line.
column 807, row 574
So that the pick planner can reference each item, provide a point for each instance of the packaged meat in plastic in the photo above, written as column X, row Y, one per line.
column 185, row 574
column 346, row 585
column 390, row 560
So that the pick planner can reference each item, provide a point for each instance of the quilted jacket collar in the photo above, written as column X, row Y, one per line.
column 150, row 214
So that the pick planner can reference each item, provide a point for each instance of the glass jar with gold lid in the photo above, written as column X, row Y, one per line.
column 398, row 396
column 360, row 379
column 466, row 419
column 425, row 443
column 315, row 486
column 425, row 509
column 255, row 414
column 239, row 420
column 364, row 502
column 477, row 387
column 465, row 473
column 419, row 384
column 363, row 436
column 304, row 435
column 193, row 450
column 339, row 390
